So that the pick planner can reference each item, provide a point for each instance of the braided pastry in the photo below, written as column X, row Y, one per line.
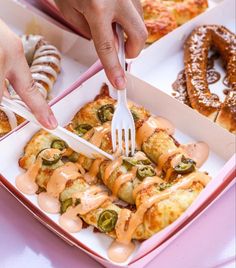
column 44, row 61
column 155, row 192
column 163, row 16
column 196, row 50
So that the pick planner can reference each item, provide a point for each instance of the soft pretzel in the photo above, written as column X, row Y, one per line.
column 163, row 16
column 44, row 61
column 196, row 50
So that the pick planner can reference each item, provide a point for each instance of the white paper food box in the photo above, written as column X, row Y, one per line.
column 219, row 164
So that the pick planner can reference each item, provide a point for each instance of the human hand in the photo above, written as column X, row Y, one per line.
column 14, row 67
column 94, row 18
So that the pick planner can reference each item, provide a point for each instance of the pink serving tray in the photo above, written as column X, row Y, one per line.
column 228, row 173
column 226, row 176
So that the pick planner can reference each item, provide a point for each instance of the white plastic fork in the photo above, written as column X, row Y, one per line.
column 78, row 144
column 122, row 122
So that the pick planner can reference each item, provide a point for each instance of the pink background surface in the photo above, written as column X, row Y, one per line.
column 209, row 242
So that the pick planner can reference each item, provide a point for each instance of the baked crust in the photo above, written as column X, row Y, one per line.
column 162, row 17
column 196, row 50
column 162, row 212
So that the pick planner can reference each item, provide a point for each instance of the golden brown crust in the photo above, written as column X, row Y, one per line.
column 195, row 59
column 227, row 115
column 162, row 17
column 158, row 20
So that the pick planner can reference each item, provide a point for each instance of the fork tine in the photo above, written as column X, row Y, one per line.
column 113, row 137
column 132, row 132
column 120, row 147
column 126, row 141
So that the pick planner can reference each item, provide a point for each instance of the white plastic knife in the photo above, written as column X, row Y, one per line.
column 76, row 143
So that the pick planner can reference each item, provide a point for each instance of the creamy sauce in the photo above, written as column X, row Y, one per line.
column 119, row 252
column 48, row 203
column 123, row 179
column 91, row 176
column 99, row 133
column 145, row 184
column 164, row 157
column 111, row 167
column 149, row 127
column 125, row 231
column 70, row 221
column 90, row 199
column 26, row 182
column 60, row 176
column 198, row 151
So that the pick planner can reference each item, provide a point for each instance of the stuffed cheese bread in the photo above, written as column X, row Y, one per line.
column 156, row 185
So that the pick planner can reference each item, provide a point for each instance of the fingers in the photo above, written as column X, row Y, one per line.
column 74, row 17
column 134, row 28
column 103, row 37
column 21, row 80
column 2, row 73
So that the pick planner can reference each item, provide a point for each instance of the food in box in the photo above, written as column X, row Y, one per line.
column 96, row 242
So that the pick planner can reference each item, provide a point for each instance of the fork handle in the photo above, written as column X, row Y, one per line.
column 121, row 55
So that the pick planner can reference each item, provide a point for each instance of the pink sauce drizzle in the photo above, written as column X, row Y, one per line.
column 149, row 127
column 70, row 221
column 119, row 252
column 26, row 182
column 48, row 203
column 198, row 151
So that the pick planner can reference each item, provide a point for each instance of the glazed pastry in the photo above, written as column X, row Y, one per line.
column 77, row 188
column 44, row 61
column 196, row 50
column 163, row 16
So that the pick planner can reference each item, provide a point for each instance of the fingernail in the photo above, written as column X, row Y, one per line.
column 52, row 121
column 120, row 82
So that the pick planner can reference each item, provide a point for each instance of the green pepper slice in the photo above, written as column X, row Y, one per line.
column 82, row 129
column 40, row 190
column 105, row 113
column 50, row 160
column 135, row 116
column 163, row 186
column 129, row 162
column 73, row 157
column 186, row 166
column 65, row 204
column 107, row 220
column 145, row 171
column 59, row 144
column 145, row 162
